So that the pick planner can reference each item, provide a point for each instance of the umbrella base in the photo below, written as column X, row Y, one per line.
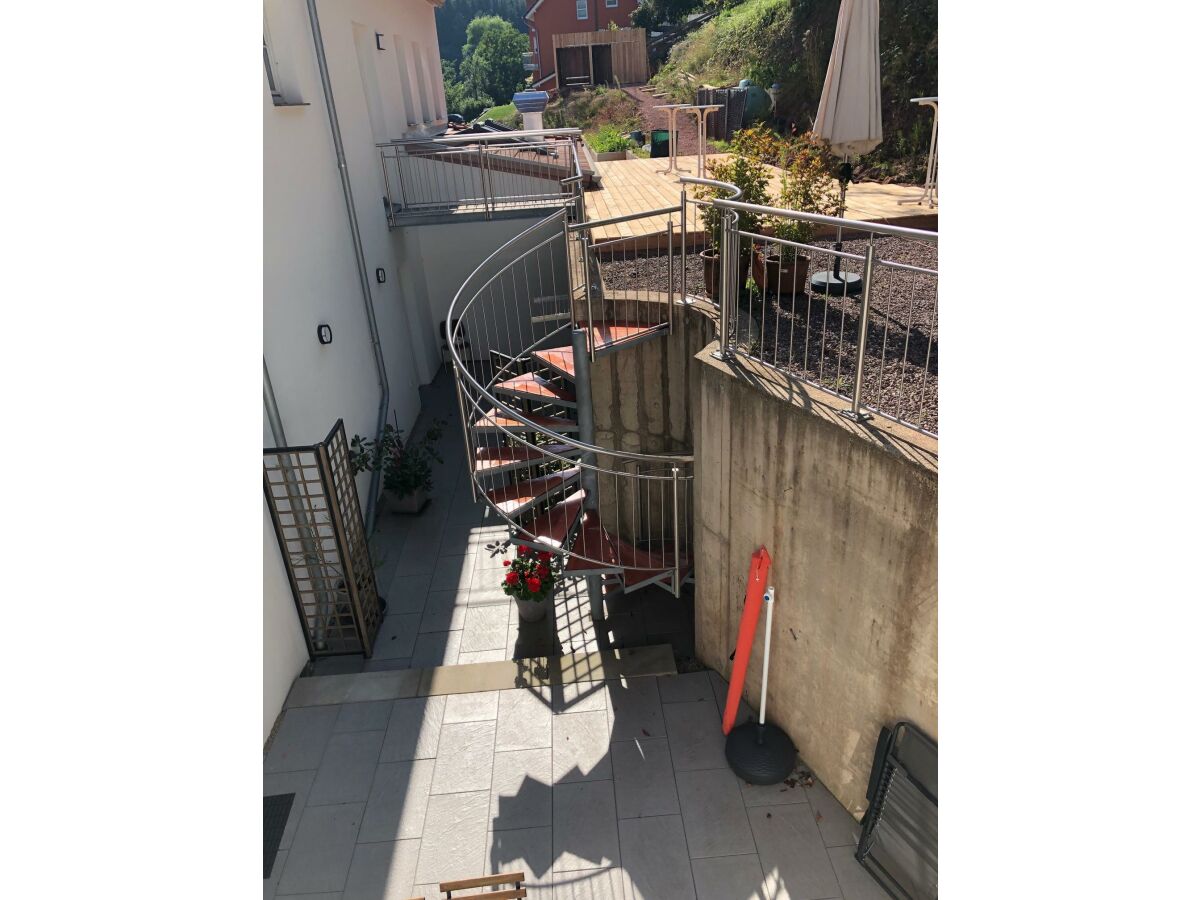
column 760, row 754
column 845, row 284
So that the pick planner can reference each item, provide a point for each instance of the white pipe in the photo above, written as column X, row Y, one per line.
column 769, row 599
column 364, row 280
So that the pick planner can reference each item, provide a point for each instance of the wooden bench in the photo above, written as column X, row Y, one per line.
column 514, row 878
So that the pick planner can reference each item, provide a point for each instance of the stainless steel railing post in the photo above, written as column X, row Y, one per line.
column 683, row 245
column 864, row 314
column 670, row 276
column 675, row 524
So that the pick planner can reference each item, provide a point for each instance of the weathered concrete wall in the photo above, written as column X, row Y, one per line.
column 849, row 515
column 640, row 402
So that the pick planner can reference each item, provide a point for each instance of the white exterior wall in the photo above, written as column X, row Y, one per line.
column 310, row 275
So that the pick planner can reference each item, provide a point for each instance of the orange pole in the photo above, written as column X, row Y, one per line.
column 756, row 586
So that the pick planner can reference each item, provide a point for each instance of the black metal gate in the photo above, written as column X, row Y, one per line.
column 314, row 507
column 898, row 844
column 728, row 119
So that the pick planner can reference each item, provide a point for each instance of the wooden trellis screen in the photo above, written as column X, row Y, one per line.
column 314, row 506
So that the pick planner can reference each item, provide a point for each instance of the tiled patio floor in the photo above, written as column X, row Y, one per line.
column 612, row 790
column 440, row 573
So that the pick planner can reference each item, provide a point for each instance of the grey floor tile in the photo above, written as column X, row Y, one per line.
column 481, row 656
column 347, row 768
column 581, row 742
column 636, row 711
column 396, row 805
column 386, row 665
column 396, row 637
column 272, row 883
column 523, row 719
column 455, row 838
column 300, row 741
column 464, row 761
column 436, row 648
column 298, row 783
column 713, row 815
column 583, row 696
column 694, row 730
column 589, row 884
column 654, row 859
column 791, row 850
column 521, row 789
column 319, row 858
column 413, row 729
column 444, row 611
column 855, row 881
column 372, row 716
column 319, row 690
column 693, row 687
column 485, row 628
column 773, row 794
column 382, row 871
column 334, row 665
column 838, row 828
column 492, row 560
column 479, row 706
column 525, row 850
column 585, row 826
column 407, row 593
column 729, row 878
column 453, row 573
column 644, row 779
column 420, row 552
column 384, row 686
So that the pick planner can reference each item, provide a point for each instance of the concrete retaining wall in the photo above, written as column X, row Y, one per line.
column 849, row 515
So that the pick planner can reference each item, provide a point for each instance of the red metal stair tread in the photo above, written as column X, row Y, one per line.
column 608, row 333
column 488, row 459
column 552, row 527
column 531, row 385
column 515, row 497
column 561, row 360
column 547, row 423
column 594, row 543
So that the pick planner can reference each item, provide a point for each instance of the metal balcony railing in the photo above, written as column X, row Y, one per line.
column 480, row 173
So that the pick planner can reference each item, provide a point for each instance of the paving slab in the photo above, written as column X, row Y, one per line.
column 300, row 742
column 454, row 842
column 714, row 817
column 654, row 859
column 690, row 687
column 581, row 747
column 453, row 573
column 464, row 760
column 521, row 794
column 773, row 794
column 726, row 877
column 444, row 611
column 397, row 801
column 523, row 719
column 790, row 846
column 645, row 781
column 485, row 628
column 478, row 706
column 319, row 858
column 406, row 594
column 855, row 881
column 585, row 826
column 271, row 884
column 319, row 690
column 578, row 697
column 482, row 656
column 347, row 768
column 636, row 710
column 525, row 850
column 414, row 729
column 384, row 685
column 298, row 783
column 396, row 637
column 694, row 730
column 382, row 871
column 372, row 716
column 436, row 648
column 837, row 826
column 589, row 884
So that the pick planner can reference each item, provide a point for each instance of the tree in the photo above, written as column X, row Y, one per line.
column 458, row 98
column 455, row 15
column 492, row 64
column 652, row 13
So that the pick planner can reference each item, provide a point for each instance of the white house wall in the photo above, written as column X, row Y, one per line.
column 284, row 651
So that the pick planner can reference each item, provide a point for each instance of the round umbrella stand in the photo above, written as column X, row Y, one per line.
column 760, row 754
column 843, row 284
column 757, row 752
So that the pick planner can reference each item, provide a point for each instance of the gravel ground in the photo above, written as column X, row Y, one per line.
column 815, row 338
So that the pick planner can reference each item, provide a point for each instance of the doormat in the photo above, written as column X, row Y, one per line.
column 276, row 810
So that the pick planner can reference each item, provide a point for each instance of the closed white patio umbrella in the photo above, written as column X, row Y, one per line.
column 849, row 117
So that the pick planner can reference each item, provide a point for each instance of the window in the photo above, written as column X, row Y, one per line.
column 581, row 9
column 611, row 4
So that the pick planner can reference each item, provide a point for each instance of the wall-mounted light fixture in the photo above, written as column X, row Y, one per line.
column 324, row 334
column 380, row 276
column 378, row 38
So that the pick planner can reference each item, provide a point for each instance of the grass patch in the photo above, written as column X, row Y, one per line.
column 506, row 115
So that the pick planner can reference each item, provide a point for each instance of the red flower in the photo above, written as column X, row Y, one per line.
column 508, row 562
column 512, row 578
column 534, row 584
column 543, row 570
column 521, row 551
column 544, row 556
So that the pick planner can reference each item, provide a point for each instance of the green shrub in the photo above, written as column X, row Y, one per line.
column 607, row 139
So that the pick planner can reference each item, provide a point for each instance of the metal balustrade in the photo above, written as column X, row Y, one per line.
column 480, row 174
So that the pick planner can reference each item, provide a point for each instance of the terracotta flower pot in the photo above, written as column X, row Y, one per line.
column 774, row 276
column 712, row 272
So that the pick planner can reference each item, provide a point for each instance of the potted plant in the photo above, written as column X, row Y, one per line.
column 407, row 468
column 806, row 186
column 530, row 582
column 749, row 174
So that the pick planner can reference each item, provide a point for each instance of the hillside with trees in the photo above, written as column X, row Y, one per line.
column 454, row 17
column 490, row 70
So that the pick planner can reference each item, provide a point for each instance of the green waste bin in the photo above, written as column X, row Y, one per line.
column 660, row 143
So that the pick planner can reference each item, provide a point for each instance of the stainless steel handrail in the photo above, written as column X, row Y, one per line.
column 915, row 234
column 485, row 137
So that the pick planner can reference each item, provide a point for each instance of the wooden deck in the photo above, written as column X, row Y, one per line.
column 635, row 185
